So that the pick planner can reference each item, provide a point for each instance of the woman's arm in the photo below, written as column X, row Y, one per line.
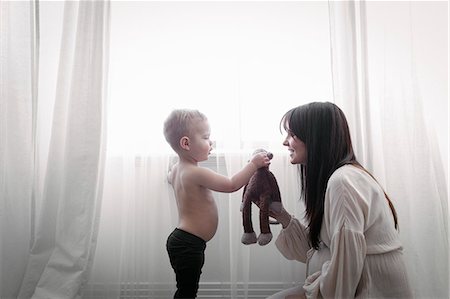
column 292, row 241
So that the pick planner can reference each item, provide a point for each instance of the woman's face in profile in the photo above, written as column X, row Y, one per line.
column 296, row 147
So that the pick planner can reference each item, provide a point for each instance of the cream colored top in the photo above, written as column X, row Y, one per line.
column 361, row 253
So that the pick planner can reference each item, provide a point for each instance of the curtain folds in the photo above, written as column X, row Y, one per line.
column 349, row 67
column 376, row 83
column 67, row 217
column 18, row 49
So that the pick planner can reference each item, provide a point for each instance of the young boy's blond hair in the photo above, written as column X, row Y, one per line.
column 178, row 124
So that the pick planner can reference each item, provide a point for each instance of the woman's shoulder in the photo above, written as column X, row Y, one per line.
column 347, row 170
column 350, row 176
column 352, row 186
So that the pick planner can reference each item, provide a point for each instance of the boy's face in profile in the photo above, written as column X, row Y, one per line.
column 200, row 145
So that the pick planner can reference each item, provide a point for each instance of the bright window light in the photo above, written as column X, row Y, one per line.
column 243, row 64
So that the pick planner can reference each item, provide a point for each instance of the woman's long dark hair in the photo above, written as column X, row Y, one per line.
column 323, row 128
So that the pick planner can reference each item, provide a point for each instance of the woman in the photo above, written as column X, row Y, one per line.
column 350, row 244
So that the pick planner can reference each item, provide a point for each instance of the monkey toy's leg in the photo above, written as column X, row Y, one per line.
column 266, row 236
column 249, row 236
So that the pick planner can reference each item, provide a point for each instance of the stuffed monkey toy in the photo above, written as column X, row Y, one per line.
column 262, row 190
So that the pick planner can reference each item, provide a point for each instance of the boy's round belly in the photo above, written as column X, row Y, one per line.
column 201, row 222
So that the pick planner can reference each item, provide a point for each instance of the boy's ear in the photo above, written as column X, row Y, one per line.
column 184, row 143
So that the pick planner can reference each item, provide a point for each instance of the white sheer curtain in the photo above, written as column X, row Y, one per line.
column 18, row 50
column 67, row 216
column 51, row 191
column 377, row 83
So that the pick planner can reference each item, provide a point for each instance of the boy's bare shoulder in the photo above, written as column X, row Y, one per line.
column 193, row 170
column 194, row 174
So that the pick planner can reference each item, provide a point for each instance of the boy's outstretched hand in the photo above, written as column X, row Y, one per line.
column 260, row 160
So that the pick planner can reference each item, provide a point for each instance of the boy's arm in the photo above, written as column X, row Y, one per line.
column 214, row 181
column 169, row 176
column 172, row 163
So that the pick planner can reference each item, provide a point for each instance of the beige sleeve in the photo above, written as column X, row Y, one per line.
column 293, row 242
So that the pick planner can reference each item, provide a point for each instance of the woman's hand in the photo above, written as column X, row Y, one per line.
column 281, row 215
